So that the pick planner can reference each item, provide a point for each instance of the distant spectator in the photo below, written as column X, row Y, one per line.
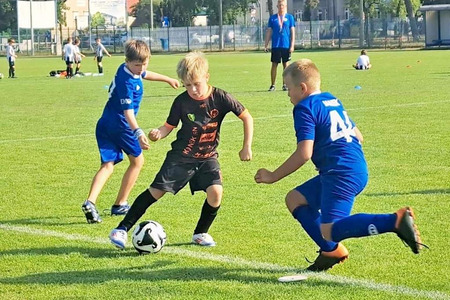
column 99, row 54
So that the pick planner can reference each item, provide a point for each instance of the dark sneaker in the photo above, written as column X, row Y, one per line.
column 119, row 210
column 326, row 260
column 407, row 230
column 272, row 88
column 285, row 87
column 90, row 212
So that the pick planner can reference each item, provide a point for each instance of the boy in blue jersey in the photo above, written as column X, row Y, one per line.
column 322, row 205
column 117, row 130
column 193, row 157
column 281, row 30
column 99, row 54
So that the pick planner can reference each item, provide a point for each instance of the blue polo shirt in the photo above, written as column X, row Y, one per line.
column 281, row 30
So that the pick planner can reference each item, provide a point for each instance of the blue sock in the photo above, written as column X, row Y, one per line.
column 310, row 221
column 360, row 225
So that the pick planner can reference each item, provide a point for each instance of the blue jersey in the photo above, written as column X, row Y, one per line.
column 323, row 119
column 125, row 92
column 281, row 30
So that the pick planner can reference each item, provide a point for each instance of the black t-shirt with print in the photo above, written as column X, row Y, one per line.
column 201, row 120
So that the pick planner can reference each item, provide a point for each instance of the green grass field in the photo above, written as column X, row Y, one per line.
column 49, row 156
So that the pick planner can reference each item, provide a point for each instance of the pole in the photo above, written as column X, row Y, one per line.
column 57, row 41
column 89, row 25
column 31, row 28
column 151, row 14
column 220, row 26
column 361, row 23
column 260, row 24
column 18, row 27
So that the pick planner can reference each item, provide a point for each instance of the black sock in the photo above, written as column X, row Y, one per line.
column 71, row 72
column 76, row 70
column 101, row 70
column 137, row 210
column 10, row 72
column 207, row 216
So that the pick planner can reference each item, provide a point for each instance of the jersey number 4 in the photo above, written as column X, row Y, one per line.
column 340, row 128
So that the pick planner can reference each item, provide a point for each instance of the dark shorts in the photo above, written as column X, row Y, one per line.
column 176, row 172
column 11, row 62
column 280, row 55
column 333, row 195
column 69, row 61
column 99, row 59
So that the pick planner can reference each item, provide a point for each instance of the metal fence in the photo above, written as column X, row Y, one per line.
column 378, row 33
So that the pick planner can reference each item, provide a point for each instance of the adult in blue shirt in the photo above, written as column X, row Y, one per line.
column 281, row 31
column 322, row 205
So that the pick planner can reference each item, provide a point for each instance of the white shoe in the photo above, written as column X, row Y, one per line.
column 203, row 239
column 118, row 238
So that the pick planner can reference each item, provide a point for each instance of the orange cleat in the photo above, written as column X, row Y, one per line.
column 326, row 260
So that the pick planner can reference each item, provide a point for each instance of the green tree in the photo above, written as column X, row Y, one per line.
column 97, row 20
column 8, row 15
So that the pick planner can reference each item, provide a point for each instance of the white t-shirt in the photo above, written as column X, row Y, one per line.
column 69, row 51
column 363, row 61
column 10, row 53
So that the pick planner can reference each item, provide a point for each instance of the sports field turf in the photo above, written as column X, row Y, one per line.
column 49, row 156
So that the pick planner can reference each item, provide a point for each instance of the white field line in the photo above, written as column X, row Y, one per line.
column 359, row 283
column 226, row 121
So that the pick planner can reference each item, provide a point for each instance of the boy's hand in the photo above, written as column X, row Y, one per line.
column 174, row 83
column 245, row 154
column 154, row 135
column 143, row 141
column 264, row 176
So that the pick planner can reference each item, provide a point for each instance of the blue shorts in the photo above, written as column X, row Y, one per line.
column 333, row 194
column 112, row 143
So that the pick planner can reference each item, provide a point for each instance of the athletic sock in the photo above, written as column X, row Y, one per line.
column 137, row 210
column 71, row 72
column 360, row 225
column 310, row 221
column 100, row 69
column 76, row 70
column 207, row 217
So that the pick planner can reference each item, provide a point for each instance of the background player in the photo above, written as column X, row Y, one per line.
column 322, row 205
column 78, row 55
column 69, row 57
column 118, row 131
column 11, row 57
column 193, row 158
column 99, row 54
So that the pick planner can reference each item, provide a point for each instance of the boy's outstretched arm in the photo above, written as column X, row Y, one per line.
column 160, row 133
column 140, row 135
column 246, row 152
column 153, row 76
column 292, row 164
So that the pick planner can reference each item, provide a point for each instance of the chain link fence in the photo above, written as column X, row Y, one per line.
column 378, row 33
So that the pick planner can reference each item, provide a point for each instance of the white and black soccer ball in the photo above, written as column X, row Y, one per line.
column 149, row 237
column 1, row 76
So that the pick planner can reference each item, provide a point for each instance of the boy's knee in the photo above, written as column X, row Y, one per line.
column 295, row 199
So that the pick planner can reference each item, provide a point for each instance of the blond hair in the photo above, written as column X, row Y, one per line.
column 304, row 70
column 137, row 50
column 192, row 66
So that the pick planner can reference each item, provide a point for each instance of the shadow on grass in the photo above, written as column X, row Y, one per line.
column 50, row 221
column 424, row 192
column 159, row 271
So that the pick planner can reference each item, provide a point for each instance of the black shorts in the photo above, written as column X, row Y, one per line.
column 99, row 59
column 11, row 62
column 176, row 172
column 279, row 55
column 68, row 61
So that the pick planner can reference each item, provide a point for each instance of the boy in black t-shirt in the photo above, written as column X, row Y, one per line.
column 193, row 157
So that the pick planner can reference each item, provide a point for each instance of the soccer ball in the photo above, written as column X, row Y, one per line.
column 1, row 75
column 149, row 237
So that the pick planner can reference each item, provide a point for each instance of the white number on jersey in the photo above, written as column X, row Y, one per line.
column 112, row 87
column 340, row 129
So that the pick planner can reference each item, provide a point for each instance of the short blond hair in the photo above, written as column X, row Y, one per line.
column 192, row 66
column 304, row 70
column 137, row 50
